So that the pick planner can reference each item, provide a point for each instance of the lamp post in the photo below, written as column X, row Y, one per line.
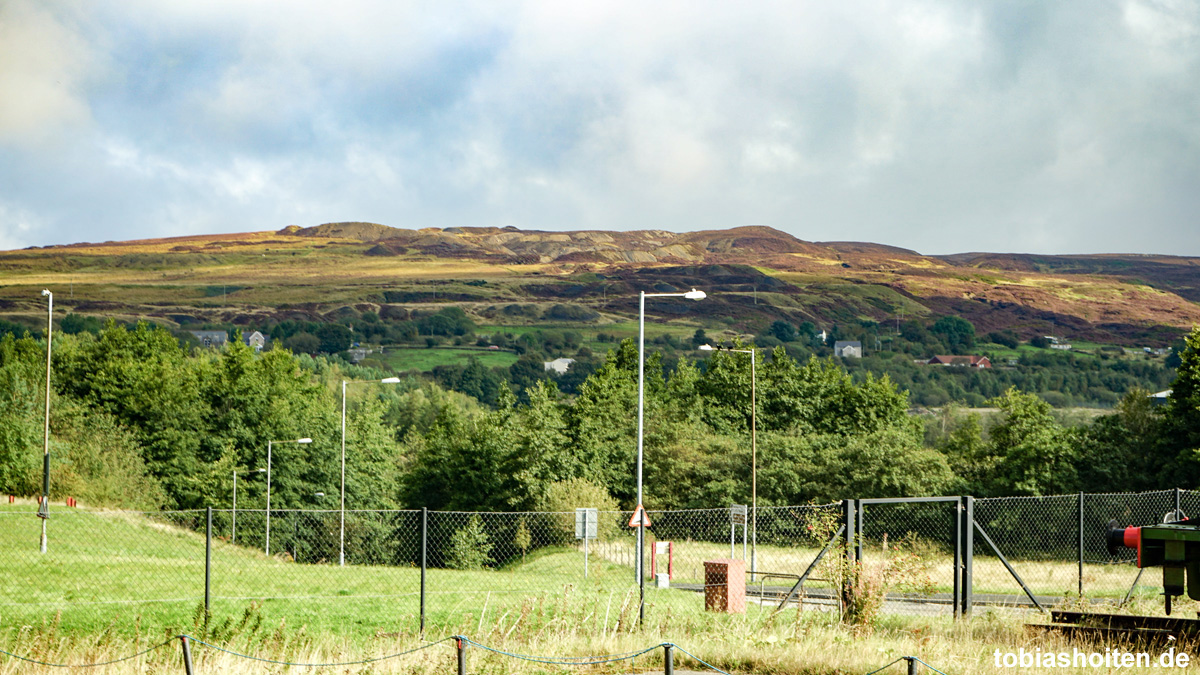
column 641, row 531
column 753, row 450
column 342, row 508
column 233, row 531
column 301, row 441
column 44, row 505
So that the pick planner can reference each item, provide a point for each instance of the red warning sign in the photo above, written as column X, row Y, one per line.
column 639, row 518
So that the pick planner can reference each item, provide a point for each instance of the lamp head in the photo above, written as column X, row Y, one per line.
column 304, row 440
column 706, row 348
column 260, row 471
column 45, row 292
column 694, row 295
column 390, row 380
column 318, row 494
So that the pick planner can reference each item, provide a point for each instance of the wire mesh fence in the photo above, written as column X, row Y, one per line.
column 413, row 561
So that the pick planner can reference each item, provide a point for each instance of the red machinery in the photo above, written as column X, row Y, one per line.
column 1173, row 545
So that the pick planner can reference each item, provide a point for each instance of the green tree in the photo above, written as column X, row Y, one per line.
column 1183, row 412
column 334, row 338
column 1033, row 454
column 782, row 330
column 955, row 332
column 470, row 546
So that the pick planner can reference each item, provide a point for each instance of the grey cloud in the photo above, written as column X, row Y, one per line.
column 936, row 125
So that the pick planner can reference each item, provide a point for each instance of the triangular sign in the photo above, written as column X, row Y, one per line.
column 639, row 518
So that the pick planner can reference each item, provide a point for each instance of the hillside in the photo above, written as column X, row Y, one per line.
column 754, row 275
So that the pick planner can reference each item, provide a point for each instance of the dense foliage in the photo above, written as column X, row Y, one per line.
column 138, row 419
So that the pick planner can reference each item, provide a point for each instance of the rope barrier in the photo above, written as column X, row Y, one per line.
column 459, row 639
column 563, row 660
column 927, row 665
column 88, row 665
column 886, row 667
column 906, row 658
column 316, row 665
column 697, row 658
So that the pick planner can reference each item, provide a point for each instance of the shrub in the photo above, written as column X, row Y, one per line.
column 563, row 497
column 470, row 547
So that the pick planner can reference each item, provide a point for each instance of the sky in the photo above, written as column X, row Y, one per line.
column 942, row 126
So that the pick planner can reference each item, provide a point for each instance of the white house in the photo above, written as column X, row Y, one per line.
column 559, row 366
column 256, row 340
column 848, row 349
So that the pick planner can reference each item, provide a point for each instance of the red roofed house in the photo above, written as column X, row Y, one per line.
column 963, row 361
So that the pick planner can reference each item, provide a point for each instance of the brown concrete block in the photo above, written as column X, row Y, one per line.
column 725, row 586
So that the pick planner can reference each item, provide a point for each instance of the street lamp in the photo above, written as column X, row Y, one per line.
column 641, row 531
column 753, row 450
column 342, row 517
column 301, row 441
column 233, row 533
column 44, row 506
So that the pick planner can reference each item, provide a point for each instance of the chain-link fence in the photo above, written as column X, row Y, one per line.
column 411, row 563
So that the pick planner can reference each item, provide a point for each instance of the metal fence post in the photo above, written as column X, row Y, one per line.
column 424, row 558
column 968, row 542
column 858, row 530
column 849, row 516
column 207, row 564
column 912, row 664
column 460, row 642
column 958, row 570
column 668, row 659
column 1080, row 542
column 1178, row 504
column 187, row 655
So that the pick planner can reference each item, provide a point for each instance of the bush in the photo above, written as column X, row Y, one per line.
column 562, row 498
column 470, row 547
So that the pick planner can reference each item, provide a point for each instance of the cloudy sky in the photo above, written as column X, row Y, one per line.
column 1070, row 126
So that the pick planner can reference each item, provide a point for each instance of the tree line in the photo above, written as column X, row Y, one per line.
column 141, row 420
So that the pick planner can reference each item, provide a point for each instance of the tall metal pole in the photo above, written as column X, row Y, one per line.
column 342, row 517
column 44, row 507
column 233, row 528
column 268, row 537
column 753, row 467
column 641, row 531
column 342, row 508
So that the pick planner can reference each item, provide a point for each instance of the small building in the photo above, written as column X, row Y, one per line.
column 964, row 361
column 211, row 338
column 1160, row 398
column 255, row 340
column 848, row 349
column 559, row 366
column 357, row 354
column 1061, row 345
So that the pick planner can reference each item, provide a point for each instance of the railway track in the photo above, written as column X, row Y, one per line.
column 1121, row 628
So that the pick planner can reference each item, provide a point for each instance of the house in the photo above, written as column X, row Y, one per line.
column 848, row 349
column 256, row 340
column 357, row 354
column 964, row 361
column 1060, row 345
column 1160, row 398
column 559, row 366
column 211, row 338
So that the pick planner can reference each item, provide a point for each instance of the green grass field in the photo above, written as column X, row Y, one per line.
column 403, row 359
column 115, row 583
